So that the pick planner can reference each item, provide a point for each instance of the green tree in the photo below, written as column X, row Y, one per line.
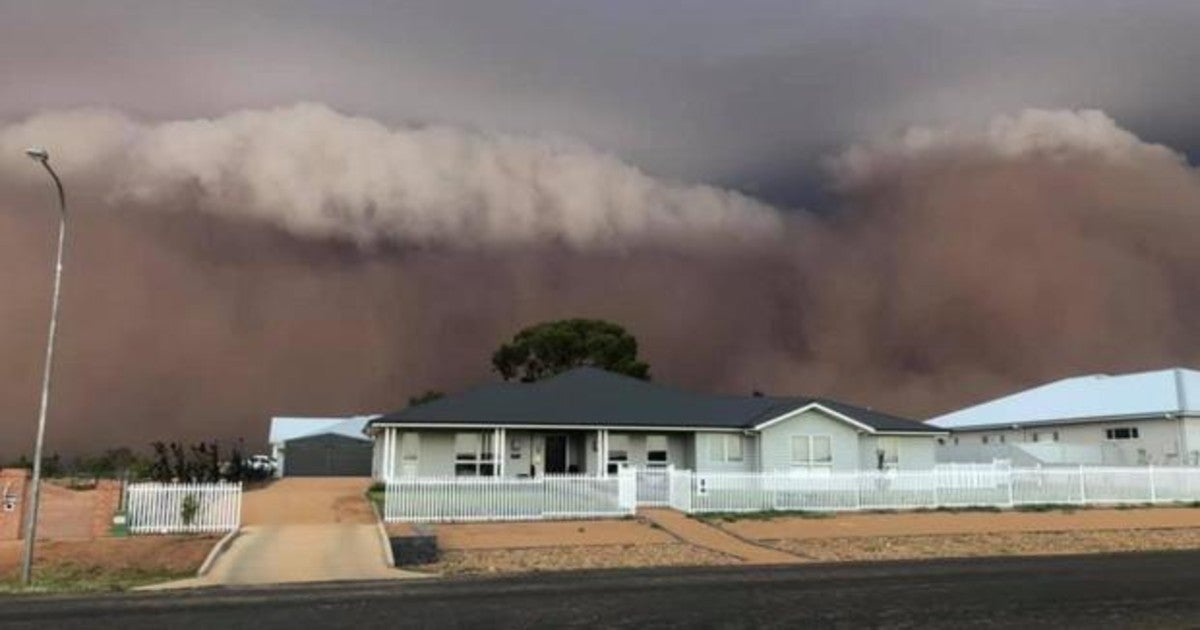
column 550, row 348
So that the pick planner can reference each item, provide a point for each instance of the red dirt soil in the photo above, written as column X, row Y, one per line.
column 548, row 534
column 918, row 524
column 149, row 555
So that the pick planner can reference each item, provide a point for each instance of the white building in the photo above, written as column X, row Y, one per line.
column 590, row 422
column 1129, row 419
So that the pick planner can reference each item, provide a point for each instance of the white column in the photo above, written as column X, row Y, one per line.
column 501, row 456
column 383, row 451
column 387, row 454
column 393, row 440
column 602, row 452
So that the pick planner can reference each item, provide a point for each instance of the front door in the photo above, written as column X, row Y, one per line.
column 556, row 455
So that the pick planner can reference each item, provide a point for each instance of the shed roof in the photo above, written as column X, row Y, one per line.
column 592, row 397
column 288, row 428
column 1096, row 396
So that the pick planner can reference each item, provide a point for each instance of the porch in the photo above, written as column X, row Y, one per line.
column 523, row 452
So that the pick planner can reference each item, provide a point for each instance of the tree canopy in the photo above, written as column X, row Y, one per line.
column 550, row 348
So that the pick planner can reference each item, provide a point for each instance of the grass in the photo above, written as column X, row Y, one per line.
column 376, row 496
column 77, row 578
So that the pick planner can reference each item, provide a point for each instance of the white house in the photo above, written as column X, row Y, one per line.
column 1127, row 419
column 588, row 421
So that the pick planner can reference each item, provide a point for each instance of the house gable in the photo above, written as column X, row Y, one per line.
column 812, row 421
column 818, row 408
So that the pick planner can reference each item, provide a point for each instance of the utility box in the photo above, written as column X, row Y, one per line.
column 120, row 528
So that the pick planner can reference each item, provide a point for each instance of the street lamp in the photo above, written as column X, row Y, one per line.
column 38, row 154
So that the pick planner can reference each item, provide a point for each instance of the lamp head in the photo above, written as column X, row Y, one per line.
column 38, row 154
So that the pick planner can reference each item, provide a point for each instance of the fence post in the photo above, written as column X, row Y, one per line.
column 858, row 478
column 1011, row 502
column 937, row 482
column 1082, row 486
column 1153, row 489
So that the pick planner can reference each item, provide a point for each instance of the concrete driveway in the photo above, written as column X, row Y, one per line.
column 304, row 530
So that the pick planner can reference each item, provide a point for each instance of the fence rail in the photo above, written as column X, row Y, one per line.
column 176, row 508
column 942, row 487
column 506, row 499
column 951, row 486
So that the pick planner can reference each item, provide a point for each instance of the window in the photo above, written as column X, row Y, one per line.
column 1002, row 438
column 887, row 452
column 1054, row 436
column 474, row 455
column 1035, row 437
column 410, row 446
column 656, row 450
column 618, row 452
column 1121, row 433
column 726, row 447
column 812, row 450
column 983, row 438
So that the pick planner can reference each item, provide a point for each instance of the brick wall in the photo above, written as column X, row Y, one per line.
column 13, row 482
column 64, row 513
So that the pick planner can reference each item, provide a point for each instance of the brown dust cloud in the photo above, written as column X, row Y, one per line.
column 297, row 261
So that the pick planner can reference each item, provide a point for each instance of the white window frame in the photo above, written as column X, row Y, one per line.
column 887, row 465
column 478, row 461
column 665, row 450
column 721, row 448
column 617, row 462
column 810, row 440
column 409, row 447
column 1131, row 433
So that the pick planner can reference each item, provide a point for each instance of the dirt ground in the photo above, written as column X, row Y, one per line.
column 566, row 545
column 929, row 523
column 548, row 534
column 987, row 544
column 308, row 501
column 492, row 561
column 107, row 562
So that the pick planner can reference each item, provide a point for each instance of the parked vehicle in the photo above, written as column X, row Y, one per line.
column 264, row 465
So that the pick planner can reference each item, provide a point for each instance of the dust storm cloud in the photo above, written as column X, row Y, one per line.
column 300, row 261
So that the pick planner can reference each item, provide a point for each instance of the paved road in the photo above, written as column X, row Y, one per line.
column 1156, row 590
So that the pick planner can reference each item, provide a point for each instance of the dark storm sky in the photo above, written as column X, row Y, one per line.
column 744, row 94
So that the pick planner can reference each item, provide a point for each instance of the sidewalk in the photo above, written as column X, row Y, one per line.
column 697, row 533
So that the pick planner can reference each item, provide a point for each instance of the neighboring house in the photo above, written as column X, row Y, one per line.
column 589, row 421
column 321, row 447
column 1128, row 419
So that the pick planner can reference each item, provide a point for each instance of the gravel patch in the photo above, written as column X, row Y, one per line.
column 988, row 544
column 495, row 561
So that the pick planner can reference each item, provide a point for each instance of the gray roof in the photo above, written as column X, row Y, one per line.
column 595, row 398
column 284, row 429
column 1097, row 396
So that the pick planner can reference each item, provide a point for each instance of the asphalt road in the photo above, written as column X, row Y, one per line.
column 1152, row 590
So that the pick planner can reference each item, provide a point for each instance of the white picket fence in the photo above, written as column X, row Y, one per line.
column 949, row 486
column 183, row 508
column 942, row 487
column 441, row 499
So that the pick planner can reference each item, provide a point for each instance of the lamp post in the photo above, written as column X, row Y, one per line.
column 40, row 155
